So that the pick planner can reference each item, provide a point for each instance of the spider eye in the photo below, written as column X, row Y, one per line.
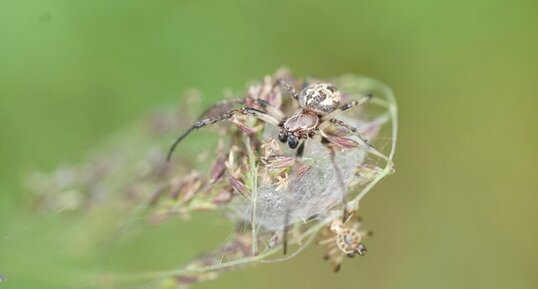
column 293, row 142
column 283, row 137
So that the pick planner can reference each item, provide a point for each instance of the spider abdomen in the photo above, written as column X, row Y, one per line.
column 321, row 98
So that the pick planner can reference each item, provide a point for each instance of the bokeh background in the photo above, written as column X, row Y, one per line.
column 461, row 211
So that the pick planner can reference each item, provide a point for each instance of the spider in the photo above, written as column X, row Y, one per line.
column 318, row 103
column 343, row 239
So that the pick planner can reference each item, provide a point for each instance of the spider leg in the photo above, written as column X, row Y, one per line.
column 356, row 132
column 268, row 107
column 221, row 117
column 351, row 129
column 289, row 205
column 300, row 150
column 271, row 109
column 336, row 260
column 223, row 104
column 327, row 241
column 287, row 86
column 347, row 106
column 339, row 178
column 305, row 84
column 285, row 231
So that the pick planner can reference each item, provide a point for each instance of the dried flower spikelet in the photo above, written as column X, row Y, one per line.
column 369, row 130
column 340, row 138
column 246, row 124
column 182, row 192
column 223, row 197
column 275, row 165
column 219, row 167
column 189, row 186
column 234, row 171
column 238, row 186
column 265, row 91
column 367, row 172
column 270, row 148
column 279, row 162
column 282, row 182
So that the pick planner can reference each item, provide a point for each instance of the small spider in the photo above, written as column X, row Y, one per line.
column 318, row 104
column 343, row 239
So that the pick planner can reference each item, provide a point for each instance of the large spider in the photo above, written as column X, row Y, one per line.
column 318, row 103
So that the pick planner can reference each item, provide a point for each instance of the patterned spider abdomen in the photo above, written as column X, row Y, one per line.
column 348, row 241
column 321, row 98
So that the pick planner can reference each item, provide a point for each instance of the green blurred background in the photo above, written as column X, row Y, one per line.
column 462, row 209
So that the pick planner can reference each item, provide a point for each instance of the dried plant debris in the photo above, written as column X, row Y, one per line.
column 278, row 195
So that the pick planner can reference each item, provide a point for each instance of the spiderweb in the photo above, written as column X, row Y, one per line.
column 265, row 207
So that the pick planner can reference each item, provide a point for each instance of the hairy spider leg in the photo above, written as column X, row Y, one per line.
column 223, row 103
column 339, row 178
column 354, row 103
column 346, row 106
column 356, row 132
column 289, row 191
column 332, row 153
column 327, row 241
column 288, row 87
column 332, row 254
column 224, row 116
column 271, row 109
column 340, row 181
column 350, row 128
